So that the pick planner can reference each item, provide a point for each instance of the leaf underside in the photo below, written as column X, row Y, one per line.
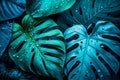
column 38, row 46
column 92, row 56
column 90, row 11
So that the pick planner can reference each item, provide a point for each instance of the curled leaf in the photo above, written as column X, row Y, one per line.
column 42, row 8
column 92, row 56
column 38, row 46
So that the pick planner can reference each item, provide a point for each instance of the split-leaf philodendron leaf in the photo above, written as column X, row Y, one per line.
column 38, row 46
column 90, row 11
column 92, row 56
column 5, row 35
column 42, row 8
column 11, row 8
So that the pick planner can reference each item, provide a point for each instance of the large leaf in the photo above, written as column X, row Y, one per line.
column 42, row 8
column 92, row 56
column 5, row 35
column 11, row 8
column 90, row 11
column 38, row 46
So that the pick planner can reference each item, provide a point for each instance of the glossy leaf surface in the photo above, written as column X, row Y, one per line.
column 11, row 8
column 92, row 56
column 42, row 8
column 38, row 46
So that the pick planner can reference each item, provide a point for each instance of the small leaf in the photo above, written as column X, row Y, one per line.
column 38, row 46
column 90, row 11
column 5, row 35
column 42, row 8
column 11, row 8
column 94, row 56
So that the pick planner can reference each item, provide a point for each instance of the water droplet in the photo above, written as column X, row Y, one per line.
column 76, row 10
column 13, row 55
column 102, row 46
column 101, row 6
column 56, row 7
column 101, row 76
column 20, row 59
column 98, row 36
column 37, row 45
column 99, row 70
column 17, row 56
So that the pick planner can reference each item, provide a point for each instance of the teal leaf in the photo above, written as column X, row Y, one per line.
column 92, row 56
column 42, row 8
column 5, row 35
column 90, row 11
column 11, row 8
column 38, row 46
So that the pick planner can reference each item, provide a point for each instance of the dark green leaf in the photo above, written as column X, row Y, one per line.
column 90, row 11
column 38, row 46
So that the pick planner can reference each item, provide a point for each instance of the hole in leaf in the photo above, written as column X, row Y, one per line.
column 70, row 12
column 72, row 58
column 73, row 37
column 80, row 11
column 95, row 71
column 20, row 46
column 73, row 67
column 111, row 52
column 108, row 67
column 111, row 37
column 72, row 47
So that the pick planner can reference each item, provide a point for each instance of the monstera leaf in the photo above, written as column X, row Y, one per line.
column 42, row 8
column 5, row 35
column 90, row 11
column 38, row 46
column 11, row 8
column 92, row 56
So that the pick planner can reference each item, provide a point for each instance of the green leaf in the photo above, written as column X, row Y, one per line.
column 92, row 56
column 42, row 8
column 38, row 46
column 90, row 11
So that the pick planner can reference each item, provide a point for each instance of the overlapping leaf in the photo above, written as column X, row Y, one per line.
column 94, row 56
column 11, row 8
column 5, row 35
column 90, row 11
column 42, row 8
column 38, row 46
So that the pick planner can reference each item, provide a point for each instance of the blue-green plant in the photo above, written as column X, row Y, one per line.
column 42, row 8
column 86, row 12
column 11, row 9
column 38, row 46
column 92, row 56
column 5, row 36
